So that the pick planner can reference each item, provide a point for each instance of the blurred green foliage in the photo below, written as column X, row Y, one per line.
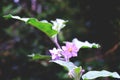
column 92, row 20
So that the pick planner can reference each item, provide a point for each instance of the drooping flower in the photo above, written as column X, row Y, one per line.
column 55, row 53
column 69, row 50
column 58, row 24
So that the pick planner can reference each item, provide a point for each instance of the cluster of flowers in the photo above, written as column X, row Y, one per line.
column 70, row 49
column 66, row 52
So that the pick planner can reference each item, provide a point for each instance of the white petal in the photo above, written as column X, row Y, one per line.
column 58, row 24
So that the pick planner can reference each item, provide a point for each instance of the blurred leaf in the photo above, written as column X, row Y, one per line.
column 96, row 74
column 11, row 10
column 9, row 31
column 6, row 9
column 16, row 10
column 43, row 26
column 38, row 57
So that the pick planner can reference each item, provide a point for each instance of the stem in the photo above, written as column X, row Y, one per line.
column 55, row 40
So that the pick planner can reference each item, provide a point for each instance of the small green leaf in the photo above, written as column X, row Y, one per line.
column 78, row 70
column 45, row 27
column 96, row 74
column 77, row 73
column 38, row 57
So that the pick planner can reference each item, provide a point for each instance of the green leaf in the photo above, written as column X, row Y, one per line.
column 42, row 26
column 69, row 65
column 85, row 47
column 38, row 57
column 45, row 27
column 78, row 70
column 10, row 9
column 93, row 46
column 86, row 44
column 77, row 73
column 73, row 71
column 16, row 17
column 96, row 74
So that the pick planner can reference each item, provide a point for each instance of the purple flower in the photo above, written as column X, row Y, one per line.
column 70, row 50
column 55, row 53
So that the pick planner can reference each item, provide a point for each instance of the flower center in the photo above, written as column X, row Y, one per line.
column 70, row 49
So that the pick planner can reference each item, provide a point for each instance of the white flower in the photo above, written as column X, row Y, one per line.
column 58, row 24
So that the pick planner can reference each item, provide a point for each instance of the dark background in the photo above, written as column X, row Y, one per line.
column 92, row 20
